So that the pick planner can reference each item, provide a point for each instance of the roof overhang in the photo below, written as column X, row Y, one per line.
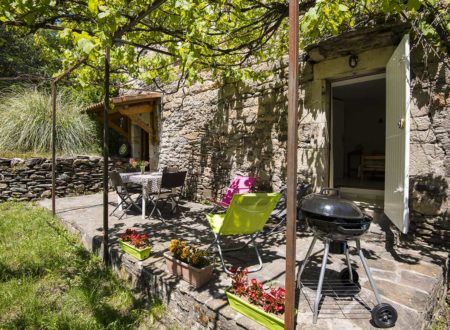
column 356, row 41
column 126, row 101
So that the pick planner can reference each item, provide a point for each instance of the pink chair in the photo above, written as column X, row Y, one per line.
column 239, row 185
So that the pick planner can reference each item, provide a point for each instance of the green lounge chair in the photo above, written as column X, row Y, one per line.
column 246, row 215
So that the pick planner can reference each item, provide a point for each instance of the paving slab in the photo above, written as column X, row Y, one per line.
column 411, row 277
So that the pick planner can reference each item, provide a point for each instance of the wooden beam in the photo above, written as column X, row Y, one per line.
column 141, row 98
column 291, row 226
column 119, row 130
column 113, row 125
column 115, row 115
column 136, row 109
column 142, row 124
column 154, row 127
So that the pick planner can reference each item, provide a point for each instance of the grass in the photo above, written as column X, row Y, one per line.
column 49, row 281
column 442, row 321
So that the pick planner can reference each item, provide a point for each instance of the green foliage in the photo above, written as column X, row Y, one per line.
column 164, row 40
column 331, row 17
column 23, row 55
column 49, row 281
column 26, row 123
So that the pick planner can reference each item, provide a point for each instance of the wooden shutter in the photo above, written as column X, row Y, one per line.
column 396, row 187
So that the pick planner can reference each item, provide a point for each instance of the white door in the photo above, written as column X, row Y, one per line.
column 396, row 186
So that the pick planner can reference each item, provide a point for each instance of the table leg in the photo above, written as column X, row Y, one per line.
column 144, row 198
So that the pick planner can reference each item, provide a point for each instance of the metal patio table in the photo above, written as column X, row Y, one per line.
column 150, row 182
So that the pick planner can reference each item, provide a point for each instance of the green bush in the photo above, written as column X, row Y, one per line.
column 26, row 123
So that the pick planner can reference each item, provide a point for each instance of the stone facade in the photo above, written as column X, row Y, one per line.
column 217, row 130
column 31, row 179
column 430, row 150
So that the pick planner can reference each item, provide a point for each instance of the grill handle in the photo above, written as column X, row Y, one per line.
column 335, row 190
column 351, row 231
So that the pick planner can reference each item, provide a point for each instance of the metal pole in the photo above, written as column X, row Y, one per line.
column 105, row 159
column 53, row 142
column 289, row 318
column 54, row 84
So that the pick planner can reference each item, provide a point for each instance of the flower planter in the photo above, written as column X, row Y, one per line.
column 194, row 276
column 139, row 254
column 270, row 321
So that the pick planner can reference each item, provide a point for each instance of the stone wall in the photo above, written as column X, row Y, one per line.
column 430, row 150
column 217, row 130
column 31, row 179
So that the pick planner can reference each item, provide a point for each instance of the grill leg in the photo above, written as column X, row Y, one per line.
column 322, row 275
column 308, row 254
column 367, row 269
column 349, row 265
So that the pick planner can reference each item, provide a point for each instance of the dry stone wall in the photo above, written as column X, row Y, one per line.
column 31, row 179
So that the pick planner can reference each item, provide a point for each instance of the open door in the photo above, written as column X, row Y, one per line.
column 396, row 186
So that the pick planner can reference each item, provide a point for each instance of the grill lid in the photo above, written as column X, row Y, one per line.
column 331, row 205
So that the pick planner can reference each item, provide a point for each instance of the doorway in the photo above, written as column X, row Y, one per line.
column 358, row 115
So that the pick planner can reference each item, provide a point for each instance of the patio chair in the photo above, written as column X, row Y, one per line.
column 239, row 185
column 246, row 215
column 170, row 190
column 170, row 169
column 124, row 193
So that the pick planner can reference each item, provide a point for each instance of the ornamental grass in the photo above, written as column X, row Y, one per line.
column 26, row 123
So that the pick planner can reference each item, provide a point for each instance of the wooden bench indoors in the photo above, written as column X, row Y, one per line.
column 373, row 164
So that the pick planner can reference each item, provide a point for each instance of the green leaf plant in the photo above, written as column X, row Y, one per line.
column 157, row 41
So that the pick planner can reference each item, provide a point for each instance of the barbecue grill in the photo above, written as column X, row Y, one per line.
column 334, row 219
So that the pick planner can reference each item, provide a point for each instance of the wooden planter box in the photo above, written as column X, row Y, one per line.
column 139, row 254
column 194, row 276
column 270, row 321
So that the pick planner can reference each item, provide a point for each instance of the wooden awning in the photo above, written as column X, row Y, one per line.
column 126, row 101
column 131, row 107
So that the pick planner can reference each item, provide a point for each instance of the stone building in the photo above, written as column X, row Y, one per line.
column 374, row 120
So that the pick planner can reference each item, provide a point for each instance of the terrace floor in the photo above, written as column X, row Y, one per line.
column 411, row 277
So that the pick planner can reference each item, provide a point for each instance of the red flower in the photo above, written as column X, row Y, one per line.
column 136, row 239
column 271, row 300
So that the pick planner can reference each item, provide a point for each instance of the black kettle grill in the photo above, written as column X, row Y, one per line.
column 334, row 219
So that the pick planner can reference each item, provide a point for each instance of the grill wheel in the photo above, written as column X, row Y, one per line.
column 384, row 315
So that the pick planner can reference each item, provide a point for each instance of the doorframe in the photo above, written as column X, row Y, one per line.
column 344, row 82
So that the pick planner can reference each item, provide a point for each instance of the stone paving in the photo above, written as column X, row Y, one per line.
column 410, row 277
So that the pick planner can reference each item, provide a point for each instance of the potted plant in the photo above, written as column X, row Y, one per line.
column 135, row 244
column 265, row 306
column 141, row 164
column 191, row 264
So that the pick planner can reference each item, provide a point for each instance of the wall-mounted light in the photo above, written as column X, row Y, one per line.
column 353, row 60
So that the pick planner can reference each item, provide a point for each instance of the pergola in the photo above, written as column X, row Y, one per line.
column 128, row 109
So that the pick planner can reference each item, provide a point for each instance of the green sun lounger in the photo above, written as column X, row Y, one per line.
column 246, row 215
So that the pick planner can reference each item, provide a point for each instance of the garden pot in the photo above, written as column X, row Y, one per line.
column 139, row 254
column 194, row 276
column 270, row 321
